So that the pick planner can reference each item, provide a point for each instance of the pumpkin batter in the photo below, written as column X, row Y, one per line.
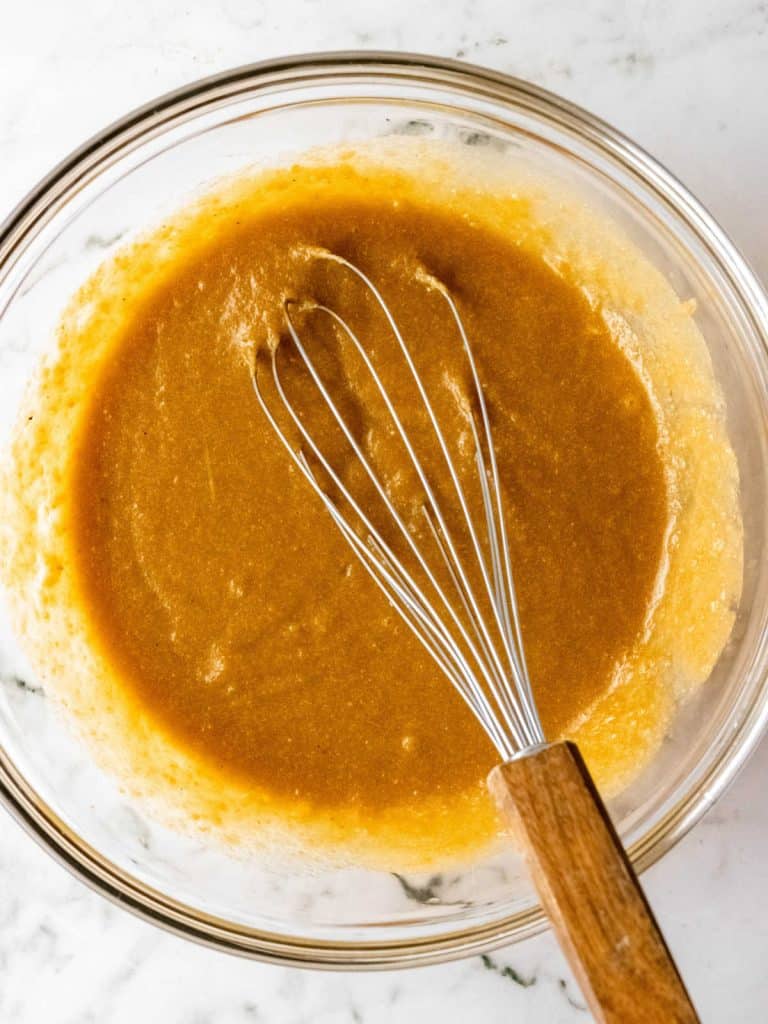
column 224, row 606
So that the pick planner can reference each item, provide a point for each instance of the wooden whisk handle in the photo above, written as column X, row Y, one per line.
column 588, row 889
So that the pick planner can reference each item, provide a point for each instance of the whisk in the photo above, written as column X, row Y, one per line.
column 452, row 583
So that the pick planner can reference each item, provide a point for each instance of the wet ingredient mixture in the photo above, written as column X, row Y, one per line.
column 225, row 607
column 229, row 603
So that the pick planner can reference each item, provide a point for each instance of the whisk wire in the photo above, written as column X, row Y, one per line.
column 365, row 462
column 438, row 642
column 504, row 704
column 479, row 619
column 489, row 660
column 498, row 540
column 419, row 613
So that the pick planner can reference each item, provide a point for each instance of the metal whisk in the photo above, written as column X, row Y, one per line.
column 490, row 654
column 465, row 613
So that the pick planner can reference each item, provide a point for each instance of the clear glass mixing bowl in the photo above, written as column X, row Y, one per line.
column 127, row 178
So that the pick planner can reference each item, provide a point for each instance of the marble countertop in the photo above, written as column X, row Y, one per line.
column 689, row 81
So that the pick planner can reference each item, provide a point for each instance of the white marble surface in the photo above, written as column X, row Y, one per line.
column 689, row 80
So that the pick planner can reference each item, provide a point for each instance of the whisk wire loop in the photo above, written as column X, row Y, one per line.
column 491, row 675
column 484, row 664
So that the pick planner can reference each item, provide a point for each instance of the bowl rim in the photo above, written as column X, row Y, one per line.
column 40, row 205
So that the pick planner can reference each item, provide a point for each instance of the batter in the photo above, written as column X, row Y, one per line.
column 228, row 615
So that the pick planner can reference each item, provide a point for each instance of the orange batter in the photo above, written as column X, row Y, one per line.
column 229, row 603
column 201, row 585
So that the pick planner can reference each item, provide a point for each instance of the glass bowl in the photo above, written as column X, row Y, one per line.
column 125, row 179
